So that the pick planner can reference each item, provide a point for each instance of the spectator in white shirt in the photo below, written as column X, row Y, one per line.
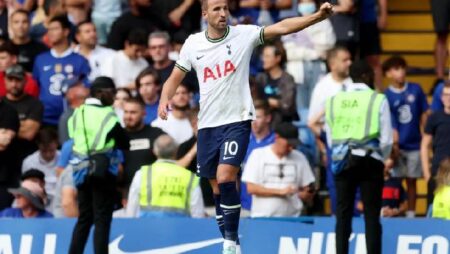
column 98, row 56
column 177, row 124
column 278, row 176
column 126, row 64
column 45, row 159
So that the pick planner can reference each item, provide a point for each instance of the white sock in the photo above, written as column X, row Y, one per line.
column 238, row 249
column 410, row 214
column 229, row 243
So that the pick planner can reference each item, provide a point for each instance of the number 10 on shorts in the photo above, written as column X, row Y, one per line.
column 231, row 149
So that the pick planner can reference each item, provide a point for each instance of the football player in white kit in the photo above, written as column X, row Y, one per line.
column 221, row 57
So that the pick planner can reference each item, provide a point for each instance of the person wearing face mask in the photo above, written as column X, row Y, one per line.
column 97, row 134
column 306, row 52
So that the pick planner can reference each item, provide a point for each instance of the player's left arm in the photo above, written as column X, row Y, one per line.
column 292, row 25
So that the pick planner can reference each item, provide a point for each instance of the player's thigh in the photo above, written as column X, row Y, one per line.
column 208, row 151
column 234, row 143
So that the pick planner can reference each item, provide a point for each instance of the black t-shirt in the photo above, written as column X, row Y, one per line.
column 124, row 24
column 28, row 52
column 438, row 125
column 140, row 153
column 27, row 108
column 9, row 163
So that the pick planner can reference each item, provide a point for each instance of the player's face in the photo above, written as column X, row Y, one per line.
column 261, row 122
column 20, row 25
column 341, row 63
column 397, row 74
column 270, row 60
column 87, row 35
column 56, row 33
column 158, row 49
column 133, row 115
column 148, row 89
column 217, row 13
column 181, row 98
column 6, row 60
column 14, row 86
column 445, row 97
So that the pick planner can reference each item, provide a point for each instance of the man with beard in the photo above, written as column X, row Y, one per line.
column 86, row 35
column 177, row 124
column 29, row 109
column 141, row 137
column 28, row 48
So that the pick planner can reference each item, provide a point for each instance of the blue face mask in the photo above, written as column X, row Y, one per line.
column 306, row 8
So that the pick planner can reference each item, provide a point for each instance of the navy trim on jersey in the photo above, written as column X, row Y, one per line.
column 181, row 68
column 218, row 39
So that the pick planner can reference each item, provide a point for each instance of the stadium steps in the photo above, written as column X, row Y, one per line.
column 409, row 33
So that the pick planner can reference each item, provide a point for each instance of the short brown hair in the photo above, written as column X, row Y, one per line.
column 394, row 62
column 137, row 101
column 262, row 105
column 147, row 71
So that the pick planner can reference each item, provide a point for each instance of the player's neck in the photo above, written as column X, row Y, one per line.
column 21, row 40
column 398, row 85
column 214, row 33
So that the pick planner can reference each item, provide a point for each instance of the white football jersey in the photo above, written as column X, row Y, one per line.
column 222, row 67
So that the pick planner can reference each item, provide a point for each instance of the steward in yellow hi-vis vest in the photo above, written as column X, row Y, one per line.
column 97, row 137
column 441, row 201
column 359, row 133
column 165, row 189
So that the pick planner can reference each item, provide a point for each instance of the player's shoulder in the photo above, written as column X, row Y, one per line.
column 245, row 29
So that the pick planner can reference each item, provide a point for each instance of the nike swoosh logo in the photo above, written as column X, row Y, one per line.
column 174, row 249
column 47, row 67
column 226, row 158
column 200, row 57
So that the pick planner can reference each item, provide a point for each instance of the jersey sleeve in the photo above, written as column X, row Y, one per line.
column 254, row 33
column 184, row 62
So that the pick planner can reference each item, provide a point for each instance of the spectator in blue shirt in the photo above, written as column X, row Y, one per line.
column 53, row 68
column 261, row 135
column 436, row 103
column 409, row 107
column 149, row 86
column 30, row 201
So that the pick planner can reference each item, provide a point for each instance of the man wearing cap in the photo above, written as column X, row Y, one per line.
column 278, row 176
column 9, row 55
column 96, row 132
column 30, row 202
column 30, row 109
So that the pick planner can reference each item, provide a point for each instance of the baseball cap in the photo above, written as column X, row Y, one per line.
column 31, row 191
column 33, row 173
column 16, row 71
column 288, row 131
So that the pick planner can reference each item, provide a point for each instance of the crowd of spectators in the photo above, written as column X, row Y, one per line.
column 51, row 51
